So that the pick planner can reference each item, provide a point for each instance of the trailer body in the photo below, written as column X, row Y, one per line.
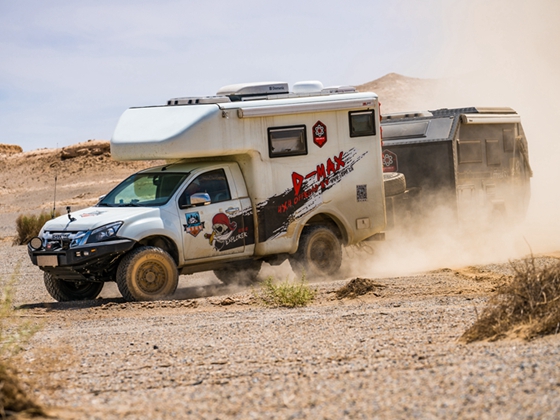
column 472, row 160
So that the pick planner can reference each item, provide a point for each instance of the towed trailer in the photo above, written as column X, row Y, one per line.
column 474, row 161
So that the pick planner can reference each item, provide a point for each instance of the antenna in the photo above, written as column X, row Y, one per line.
column 53, row 213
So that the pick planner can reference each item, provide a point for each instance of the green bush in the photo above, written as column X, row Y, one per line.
column 286, row 294
column 28, row 226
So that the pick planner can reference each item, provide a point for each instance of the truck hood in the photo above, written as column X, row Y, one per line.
column 94, row 217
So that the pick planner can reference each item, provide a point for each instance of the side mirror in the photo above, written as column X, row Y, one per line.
column 200, row 199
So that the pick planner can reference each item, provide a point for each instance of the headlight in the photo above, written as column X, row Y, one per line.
column 97, row 235
column 104, row 232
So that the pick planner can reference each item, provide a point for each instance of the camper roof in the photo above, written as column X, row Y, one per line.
column 263, row 90
column 439, row 124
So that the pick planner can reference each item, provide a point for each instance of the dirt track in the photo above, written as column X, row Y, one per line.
column 389, row 354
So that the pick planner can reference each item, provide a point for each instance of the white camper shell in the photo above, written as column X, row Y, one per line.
column 255, row 173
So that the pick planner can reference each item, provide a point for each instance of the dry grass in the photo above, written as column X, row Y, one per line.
column 13, row 334
column 358, row 287
column 288, row 294
column 527, row 306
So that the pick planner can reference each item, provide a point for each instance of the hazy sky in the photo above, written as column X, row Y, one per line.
column 68, row 69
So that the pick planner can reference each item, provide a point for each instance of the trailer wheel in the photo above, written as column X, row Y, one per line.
column 147, row 273
column 319, row 252
column 241, row 274
column 66, row 291
column 394, row 183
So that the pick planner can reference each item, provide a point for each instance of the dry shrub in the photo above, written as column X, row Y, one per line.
column 13, row 334
column 13, row 398
column 358, row 287
column 527, row 306
column 28, row 226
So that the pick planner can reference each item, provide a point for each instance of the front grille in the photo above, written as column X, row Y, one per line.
column 53, row 240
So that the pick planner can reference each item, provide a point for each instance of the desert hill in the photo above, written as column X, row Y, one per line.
column 85, row 171
column 400, row 93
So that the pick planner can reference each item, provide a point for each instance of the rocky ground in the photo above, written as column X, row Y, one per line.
column 217, row 353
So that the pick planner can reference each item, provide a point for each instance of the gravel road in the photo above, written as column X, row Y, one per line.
column 217, row 354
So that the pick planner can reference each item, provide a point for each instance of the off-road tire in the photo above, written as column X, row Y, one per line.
column 394, row 183
column 243, row 274
column 147, row 273
column 319, row 252
column 67, row 291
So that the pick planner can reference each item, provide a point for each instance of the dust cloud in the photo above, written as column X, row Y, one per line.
column 507, row 53
column 497, row 53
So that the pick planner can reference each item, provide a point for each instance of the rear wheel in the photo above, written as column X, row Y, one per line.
column 147, row 273
column 66, row 291
column 241, row 273
column 319, row 252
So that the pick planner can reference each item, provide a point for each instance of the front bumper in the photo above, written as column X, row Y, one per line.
column 90, row 261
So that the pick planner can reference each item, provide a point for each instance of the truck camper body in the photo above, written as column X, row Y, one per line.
column 255, row 173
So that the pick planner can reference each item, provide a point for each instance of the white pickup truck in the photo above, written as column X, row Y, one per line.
column 256, row 173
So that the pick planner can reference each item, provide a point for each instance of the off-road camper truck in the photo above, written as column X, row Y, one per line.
column 474, row 161
column 255, row 173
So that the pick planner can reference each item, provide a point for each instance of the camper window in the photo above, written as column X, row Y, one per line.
column 362, row 123
column 287, row 141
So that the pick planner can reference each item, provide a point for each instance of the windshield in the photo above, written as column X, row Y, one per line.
column 144, row 189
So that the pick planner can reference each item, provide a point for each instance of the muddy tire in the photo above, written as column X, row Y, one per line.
column 147, row 273
column 319, row 253
column 67, row 291
column 243, row 274
column 394, row 183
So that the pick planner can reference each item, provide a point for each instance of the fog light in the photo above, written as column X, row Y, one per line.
column 36, row 243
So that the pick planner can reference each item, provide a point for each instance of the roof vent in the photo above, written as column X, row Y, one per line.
column 310, row 86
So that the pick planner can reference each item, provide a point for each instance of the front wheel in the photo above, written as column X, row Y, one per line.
column 67, row 291
column 147, row 273
column 319, row 252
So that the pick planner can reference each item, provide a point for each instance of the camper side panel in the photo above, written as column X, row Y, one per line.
column 338, row 176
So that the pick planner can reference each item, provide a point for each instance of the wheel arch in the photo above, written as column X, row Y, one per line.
column 326, row 219
column 163, row 242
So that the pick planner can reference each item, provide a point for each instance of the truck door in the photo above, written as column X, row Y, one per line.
column 216, row 227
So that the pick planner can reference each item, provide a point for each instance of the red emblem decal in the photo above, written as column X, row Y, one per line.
column 390, row 161
column 319, row 134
